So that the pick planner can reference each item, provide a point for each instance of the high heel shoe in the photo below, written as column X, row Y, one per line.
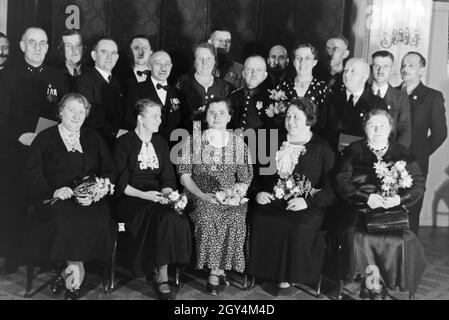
column 161, row 295
column 72, row 294
column 57, row 286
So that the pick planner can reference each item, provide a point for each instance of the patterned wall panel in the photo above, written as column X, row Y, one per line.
column 93, row 18
column 130, row 17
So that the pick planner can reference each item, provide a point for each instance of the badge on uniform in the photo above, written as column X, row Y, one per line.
column 52, row 93
column 174, row 104
column 259, row 105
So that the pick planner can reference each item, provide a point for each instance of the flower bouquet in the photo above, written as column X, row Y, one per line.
column 234, row 196
column 279, row 106
column 393, row 177
column 295, row 185
column 90, row 187
column 176, row 201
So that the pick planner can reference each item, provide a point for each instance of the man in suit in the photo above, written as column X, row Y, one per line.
column 397, row 101
column 103, row 91
column 349, row 105
column 4, row 51
column 33, row 90
column 137, row 69
column 277, row 67
column 428, row 119
column 336, row 53
column 157, row 89
column 225, row 68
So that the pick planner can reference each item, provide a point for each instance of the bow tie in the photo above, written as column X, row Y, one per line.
column 141, row 73
column 160, row 86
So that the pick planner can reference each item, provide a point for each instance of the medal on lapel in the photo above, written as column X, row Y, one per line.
column 52, row 93
column 174, row 104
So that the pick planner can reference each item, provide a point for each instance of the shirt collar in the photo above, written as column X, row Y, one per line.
column 104, row 74
column 383, row 89
column 355, row 95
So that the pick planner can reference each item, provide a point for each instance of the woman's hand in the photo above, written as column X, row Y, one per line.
column 296, row 204
column 27, row 138
column 392, row 202
column 375, row 201
column 63, row 193
column 209, row 197
column 154, row 196
column 264, row 198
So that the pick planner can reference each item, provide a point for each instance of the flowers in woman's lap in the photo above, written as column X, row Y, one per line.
column 393, row 176
column 176, row 200
column 233, row 196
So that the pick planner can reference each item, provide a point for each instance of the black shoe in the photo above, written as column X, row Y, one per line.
column 161, row 295
column 72, row 294
column 57, row 286
column 224, row 280
column 379, row 294
column 214, row 289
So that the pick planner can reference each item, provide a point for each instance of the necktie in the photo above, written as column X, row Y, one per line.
column 160, row 86
column 75, row 72
column 351, row 101
column 379, row 94
column 141, row 73
column 110, row 79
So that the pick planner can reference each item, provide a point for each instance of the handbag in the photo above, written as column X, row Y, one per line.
column 393, row 219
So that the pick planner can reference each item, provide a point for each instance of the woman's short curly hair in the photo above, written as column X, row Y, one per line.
column 217, row 100
column 306, row 106
column 376, row 112
column 74, row 96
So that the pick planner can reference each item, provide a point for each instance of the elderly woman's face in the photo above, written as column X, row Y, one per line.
column 204, row 61
column 73, row 115
column 218, row 116
column 304, row 61
column 295, row 121
column 150, row 119
column 378, row 128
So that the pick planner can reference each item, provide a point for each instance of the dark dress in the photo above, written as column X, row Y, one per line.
column 69, row 230
column 287, row 245
column 398, row 255
column 196, row 97
column 160, row 235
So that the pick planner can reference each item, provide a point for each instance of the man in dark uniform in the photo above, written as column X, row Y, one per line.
column 397, row 101
column 103, row 92
column 336, row 53
column 34, row 91
column 225, row 68
column 157, row 89
column 428, row 119
column 349, row 105
column 277, row 67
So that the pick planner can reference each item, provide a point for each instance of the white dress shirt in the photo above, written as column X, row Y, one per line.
column 160, row 92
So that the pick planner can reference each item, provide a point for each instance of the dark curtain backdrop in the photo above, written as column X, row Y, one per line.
column 176, row 25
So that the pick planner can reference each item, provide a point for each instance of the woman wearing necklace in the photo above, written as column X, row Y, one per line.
column 161, row 236
column 305, row 84
column 220, row 160
column 69, row 230
column 286, row 246
column 359, row 186
column 201, row 86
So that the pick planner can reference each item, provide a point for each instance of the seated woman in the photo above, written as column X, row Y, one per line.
column 285, row 245
column 201, row 85
column 220, row 161
column 75, row 231
column 357, row 182
column 162, row 235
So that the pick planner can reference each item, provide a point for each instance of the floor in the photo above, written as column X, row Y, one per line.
column 434, row 284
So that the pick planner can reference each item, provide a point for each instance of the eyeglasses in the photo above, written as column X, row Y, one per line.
column 166, row 65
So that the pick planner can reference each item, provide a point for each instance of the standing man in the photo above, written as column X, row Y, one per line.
column 349, row 105
column 336, row 53
column 71, row 50
column 34, row 91
column 428, row 119
column 103, row 92
column 277, row 67
column 397, row 102
column 225, row 68
column 4, row 51
column 157, row 89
